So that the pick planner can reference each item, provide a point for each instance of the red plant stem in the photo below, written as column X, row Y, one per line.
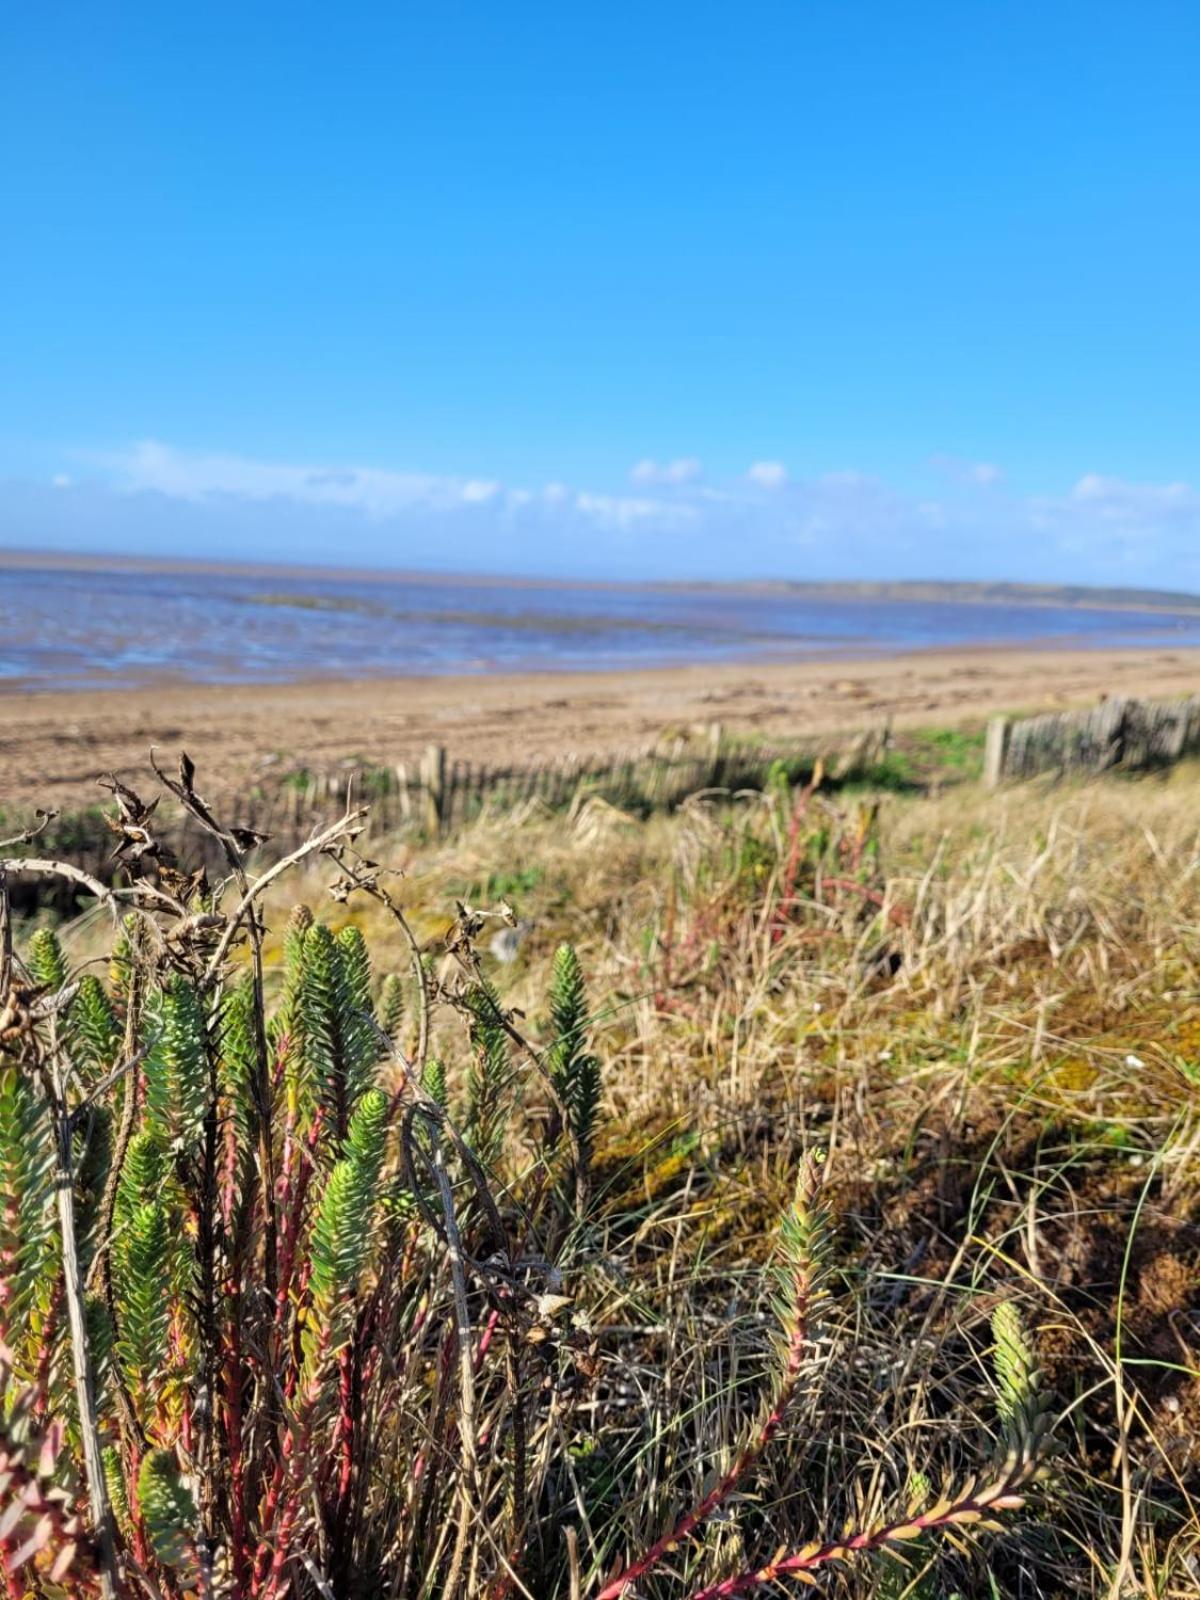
column 288, row 1487
column 287, row 1521
column 344, row 1438
column 233, row 1444
column 283, row 1542
column 232, row 1369
column 355, row 1377
column 280, row 1478
column 133, row 1463
column 270, row 1510
column 281, row 1057
column 292, row 1192
column 485, row 1339
column 749, row 1454
column 791, row 870
column 11, row 1592
column 297, row 1362
column 228, row 1175
column 970, row 1508
column 177, row 1346
column 283, row 1192
column 267, row 1520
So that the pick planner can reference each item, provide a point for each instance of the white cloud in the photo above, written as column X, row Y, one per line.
column 835, row 524
column 379, row 494
column 1141, row 533
column 1117, row 500
column 1119, row 506
column 847, row 480
column 981, row 473
column 475, row 491
column 197, row 476
column 685, row 469
column 623, row 512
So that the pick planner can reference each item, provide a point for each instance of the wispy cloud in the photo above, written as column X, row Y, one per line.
column 477, row 490
column 1151, row 527
column 188, row 475
column 768, row 474
column 379, row 494
column 1138, row 508
column 626, row 511
column 1117, row 500
column 685, row 469
column 763, row 521
column 981, row 473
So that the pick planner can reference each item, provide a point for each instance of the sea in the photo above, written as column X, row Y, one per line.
column 69, row 628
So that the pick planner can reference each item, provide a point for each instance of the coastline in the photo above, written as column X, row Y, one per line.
column 996, row 592
column 55, row 743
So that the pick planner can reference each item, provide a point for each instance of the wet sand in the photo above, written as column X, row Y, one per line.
column 53, row 746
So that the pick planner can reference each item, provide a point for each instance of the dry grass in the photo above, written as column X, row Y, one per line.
column 986, row 1009
column 1003, row 1061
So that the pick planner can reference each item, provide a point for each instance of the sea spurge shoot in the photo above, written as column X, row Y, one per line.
column 575, row 1071
column 341, row 1237
column 47, row 964
column 800, row 1275
column 95, row 1031
column 971, row 1506
column 167, row 1509
column 26, row 1198
column 143, row 1274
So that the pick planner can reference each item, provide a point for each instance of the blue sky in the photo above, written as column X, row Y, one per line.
column 799, row 289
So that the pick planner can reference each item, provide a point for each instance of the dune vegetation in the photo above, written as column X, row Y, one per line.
column 793, row 1188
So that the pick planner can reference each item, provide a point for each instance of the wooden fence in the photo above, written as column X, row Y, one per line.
column 1130, row 734
column 436, row 793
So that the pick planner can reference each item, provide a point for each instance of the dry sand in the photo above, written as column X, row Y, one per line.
column 53, row 746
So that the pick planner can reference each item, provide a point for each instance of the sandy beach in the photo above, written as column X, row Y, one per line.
column 54, row 746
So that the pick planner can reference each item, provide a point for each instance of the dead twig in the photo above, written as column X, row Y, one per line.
column 350, row 823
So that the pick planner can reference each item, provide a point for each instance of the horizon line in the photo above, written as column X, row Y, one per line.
column 1102, row 596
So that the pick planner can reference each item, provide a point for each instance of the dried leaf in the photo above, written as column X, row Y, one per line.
column 63, row 1562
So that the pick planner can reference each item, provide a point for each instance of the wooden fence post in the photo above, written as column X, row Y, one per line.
column 716, row 753
column 995, row 751
column 433, row 783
